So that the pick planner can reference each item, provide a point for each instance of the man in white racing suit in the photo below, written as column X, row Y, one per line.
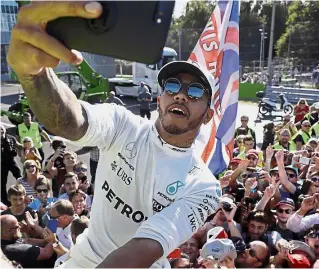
column 152, row 190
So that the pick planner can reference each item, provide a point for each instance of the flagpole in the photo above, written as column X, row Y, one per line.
column 271, row 42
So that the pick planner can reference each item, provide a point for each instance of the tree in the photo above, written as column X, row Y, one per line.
column 252, row 17
column 301, row 38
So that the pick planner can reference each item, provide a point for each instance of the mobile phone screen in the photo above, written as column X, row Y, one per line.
column 305, row 161
column 53, row 225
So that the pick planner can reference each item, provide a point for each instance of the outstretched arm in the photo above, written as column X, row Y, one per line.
column 32, row 54
column 55, row 105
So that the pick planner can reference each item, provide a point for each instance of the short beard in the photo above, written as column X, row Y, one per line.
column 284, row 142
column 175, row 130
column 282, row 222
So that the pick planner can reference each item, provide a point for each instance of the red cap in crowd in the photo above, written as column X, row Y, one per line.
column 252, row 152
column 299, row 261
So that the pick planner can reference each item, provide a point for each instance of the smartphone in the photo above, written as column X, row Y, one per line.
column 304, row 160
column 129, row 30
column 53, row 225
column 254, row 175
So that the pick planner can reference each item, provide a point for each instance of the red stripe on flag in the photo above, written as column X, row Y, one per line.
column 235, row 85
column 217, row 105
column 193, row 57
column 230, row 148
column 211, row 142
column 232, row 36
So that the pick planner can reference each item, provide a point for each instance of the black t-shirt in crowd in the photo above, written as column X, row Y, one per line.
column 20, row 217
column 8, row 148
column 25, row 254
column 285, row 234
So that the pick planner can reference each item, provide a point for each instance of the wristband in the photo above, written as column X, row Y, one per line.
column 229, row 220
column 52, row 161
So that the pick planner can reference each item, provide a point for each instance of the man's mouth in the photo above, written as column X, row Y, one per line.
column 178, row 110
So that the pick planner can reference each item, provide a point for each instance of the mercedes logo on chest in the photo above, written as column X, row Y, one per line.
column 130, row 150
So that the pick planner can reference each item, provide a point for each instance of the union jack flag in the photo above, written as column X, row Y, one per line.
column 217, row 51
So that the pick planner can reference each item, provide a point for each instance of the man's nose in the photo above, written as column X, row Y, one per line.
column 181, row 96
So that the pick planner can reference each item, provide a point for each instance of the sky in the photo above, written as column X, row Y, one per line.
column 179, row 7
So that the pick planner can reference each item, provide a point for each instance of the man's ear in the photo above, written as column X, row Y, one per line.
column 208, row 116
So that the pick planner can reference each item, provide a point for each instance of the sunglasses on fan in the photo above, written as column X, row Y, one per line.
column 253, row 253
column 195, row 90
column 313, row 234
column 287, row 211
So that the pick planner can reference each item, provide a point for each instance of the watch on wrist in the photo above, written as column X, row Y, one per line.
column 55, row 244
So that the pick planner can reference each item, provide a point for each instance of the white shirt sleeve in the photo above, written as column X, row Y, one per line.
column 180, row 220
column 106, row 124
column 298, row 223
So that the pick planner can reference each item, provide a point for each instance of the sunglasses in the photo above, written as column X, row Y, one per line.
column 315, row 179
column 275, row 174
column 194, row 90
column 30, row 166
column 291, row 175
column 42, row 190
column 287, row 211
column 80, row 169
column 313, row 234
column 252, row 253
column 26, row 141
column 244, row 175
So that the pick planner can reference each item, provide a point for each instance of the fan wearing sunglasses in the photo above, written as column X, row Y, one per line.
column 256, row 255
column 314, row 188
column 284, row 209
column 43, row 200
column 288, row 176
column 312, row 239
column 302, row 137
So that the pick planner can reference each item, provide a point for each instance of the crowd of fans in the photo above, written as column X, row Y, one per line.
column 270, row 203
column 49, row 206
column 269, row 208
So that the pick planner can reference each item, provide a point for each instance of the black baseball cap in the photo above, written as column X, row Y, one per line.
column 287, row 201
column 173, row 68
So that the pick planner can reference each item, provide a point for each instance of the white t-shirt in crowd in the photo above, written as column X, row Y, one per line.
column 144, row 188
column 64, row 236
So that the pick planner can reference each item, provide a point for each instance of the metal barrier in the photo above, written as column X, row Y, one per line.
column 293, row 94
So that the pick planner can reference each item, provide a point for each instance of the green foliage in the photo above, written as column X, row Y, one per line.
column 301, row 37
